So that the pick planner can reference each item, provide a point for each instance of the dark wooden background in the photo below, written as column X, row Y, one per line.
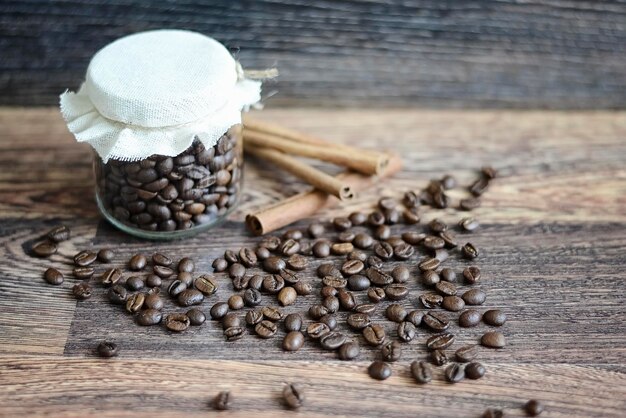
column 431, row 53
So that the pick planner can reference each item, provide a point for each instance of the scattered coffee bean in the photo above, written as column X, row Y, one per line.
column 469, row 318
column 374, row 335
column 161, row 260
column 321, row 249
column 395, row 313
column 220, row 264
column 358, row 282
column 413, row 238
column 105, row 255
column 219, row 310
column 494, row 317
column 293, row 341
column 332, row 340
column 205, row 284
column 252, row 297
column 111, row 277
column 475, row 371
column 341, row 224
column 236, row 302
column 84, row 258
column 396, row 291
column 341, row 248
column 134, row 283
column 236, row 270
column 430, row 300
column 430, row 278
column 492, row 413
column 448, row 239
column 135, row 302
column 346, row 236
column 297, row 262
column 474, row 297
column 163, row 272
column 346, row 299
column 289, row 247
column 376, row 294
column 222, row 401
column 349, row 351
column 83, row 272
column 274, row 264
column 352, row 267
column 239, row 283
column 469, row 203
column 293, row 395
column 303, row 288
column 415, row 317
column 234, row 333
column 469, row 251
column 471, row 274
column 107, row 349
column 153, row 301
column 53, row 276
column 317, row 330
column 421, row 372
column 533, row 408
column 466, row 353
column 378, row 277
column 366, row 308
column 454, row 373
column 293, row 322
column 438, row 357
column 379, row 370
column 176, row 287
column 383, row 250
column 254, row 317
column 435, row 321
column 137, row 262
column 452, row 303
column 148, row 317
column 440, row 341
column 44, row 249
column 447, row 274
column 273, row 283
column 493, row 339
column 446, row 289
column 177, row 322
column 287, row 296
column 406, row 331
column 190, row 297
column 468, row 224
column 479, row 186
column 118, row 295
column 391, row 351
column 358, row 321
column 437, row 225
column 318, row 311
column 336, row 282
column 374, row 261
column 58, row 234
column 428, row 263
column 266, row 329
column 272, row 313
column 433, row 243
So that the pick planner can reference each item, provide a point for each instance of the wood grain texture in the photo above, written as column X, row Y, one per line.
column 478, row 53
column 552, row 235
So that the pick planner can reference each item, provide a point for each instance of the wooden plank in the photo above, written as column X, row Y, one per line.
column 556, row 54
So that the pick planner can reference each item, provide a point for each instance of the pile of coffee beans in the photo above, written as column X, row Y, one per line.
column 164, row 193
column 349, row 272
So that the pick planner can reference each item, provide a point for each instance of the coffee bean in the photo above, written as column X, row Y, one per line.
column 85, row 258
column 430, row 278
column 533, row 408
column 111, row 277
column 358, row 321
column 341, row 224
column 433, row 243
column 471, row 274
column 395, row 313
column 438, row 357
column 289, row 247
column 469, row 251
column 287, row 296
column 367, row 308
column 441, row 255
column 349, row 351
column 316, row 230
column 415, row 317
column 469, row 318
column 493, row 339
column 262, row 254
column 293, row 322
column 421, row 372
column 430, row 300
column 489, row 172
column 321, row 249
column 247, row 257
column 241, row 283
column 219, row 265
column 374, row 335
column 83, row 272
column 428, row 263
column 152, row 280
column 374, row 261
column 396, row 291
column 107, row 349
column 406, row 331
column 437, row 225
column 448, row 239
column 479, row 187
column 297, row 262
column 186, row 265
column 176, row 287
column 454, row 373
column 410, row 216
column 135, row 302
column 475, row 371
column 392, row 216
column 252, row 297
column 352, row 267
column 346, row 236
column 332, row 340
column 234, row 333
column 59, row 234
column 383, row 250
column 134, row 283
column 358, row 282
column 346, row 299
column 303, row 288
column 148, row 317
column 177, row 322
column 452, row 303
column 189, row 297
column 469, row 203
column 341, row 248
column 410, row 199
column 363, row 241
column 236, row 302
column 376, row 218
column 382, row 232
column 435, row 321
column 446, row 289
column 117, row 295
column 317, row 330
column 403, row 251
column 400, row 274
column 293, row 341
column 205, row 284
column 466, row 353
column 474, row 297
column 289, row 276
column 231, row 257
column 391, row 351
column 273, row 283
column 379, row 370
column 468, row 224
column 494, row 317
column 265, row 329
column 492, row 413
column 378, row 277
column 44, row 249
column 274, row 264
column 163, row 272
column 137, row 262
column 440, row 341
column 376, row 294
column 335, row 282
column 293, row 395
column 271, row 313
column 447, row 274
column 254, row 317
column 222, row 401
column 153, row 301
column 236, row 270
column 53, row 276
column 105, row 255
column 161, row 260
column 413, row 238
column 318, row 311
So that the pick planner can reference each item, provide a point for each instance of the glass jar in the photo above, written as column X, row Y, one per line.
column 164, row 197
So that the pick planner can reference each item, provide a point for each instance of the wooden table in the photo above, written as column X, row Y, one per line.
column 553, row 242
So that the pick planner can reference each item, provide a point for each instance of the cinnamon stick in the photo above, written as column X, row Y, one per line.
column 306, row 204
column 354, row 158
column 311, row 175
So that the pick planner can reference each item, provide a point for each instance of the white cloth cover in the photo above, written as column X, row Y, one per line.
column 153, row 92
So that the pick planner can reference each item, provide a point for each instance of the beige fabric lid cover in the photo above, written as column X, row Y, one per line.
column 153, row 92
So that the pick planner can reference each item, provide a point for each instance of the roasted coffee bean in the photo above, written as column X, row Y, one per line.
column 273, row 283
column 236, row 302
column 438, row 357
column 231, row 320
column 205, row 284
column 317, row 330
column 410, row 199
column 148, row 317
column 274, row 264
column 316, row 230
column 231, row 257
column 153, row 301
column 410, row 216
column 135, row 302
column 293, row 322
column 374, row 261
column 341, row 248
column 82, row 291
column 177, row 322
column 415, row 317
column 289, row 276
column 400, row 274
column 152, row 280
column 137, row 262
column 386, row 203
column 107, row 349
column 297, row 262
column 247, row 257
column 341, row 223
column 59, row 234
column 321, row 249
column 303, row 288
column 234, row 333
column 433, row 243
column 474, row 297
column 437, row 225
column 254, row 317
column 293, row 395
column 84, row 258
column 447, row 274
column 265, row 329
column 454, row 373
column 111, row 277
column 435, row 321
column 186, row 265
column 396, row 291
column 452, row 303
column 219, row 265
column 287, row 296
column 492, row 413
column 479, row 187
column 382, row 232
column 441, row 255
column 252, row 297
column 357, row 255
column 318, row 311
column 358, row 282
column 117, row 295
column 378, row 277
column 83, row 272
column 448, row 182
column 161, row 260
column 430, row 278
column 468, row 224
column 395, row 313
column 471, row 274
column 469, row 318
column 469, row 251
column 135, row 283
column 469, row 203
column 489, row 172
column 413, row 238
column 352, row 267
column 421, row 372
column 346, row 300
column 262, row 254
column 363, row 241
column 53, row 276
column 533, row 407
column 176, row 287
column 346, row 236
column 493, row 339
column 222, row 401
column 430, row 300
column 333, row 340
column 241, row 283
column 494, row 317
column 428, row 263
column 105, row 255
column 374, row 335
column 357, row 218
column 403, row 251
column 349, row 351
column 236, row 270
column 475, row 371
column 189, row 297
column 379, row 370
column 335, row 282
column 466, row 353
column 293, row 341
column 376, row 218
column 256, row 282
column 376, row 294
column 270, row 242
column 392, row 216
column 383, row 250
column 289, row 247
column 406, row 331
column 367, row 308
column 446, row 289
column 358, row 321
column 272, row 313
column 391, row 351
